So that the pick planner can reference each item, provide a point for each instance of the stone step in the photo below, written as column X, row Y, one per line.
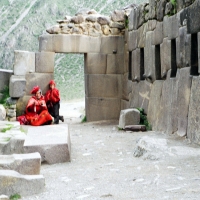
column 27, row 164
column 135, row 128
column 11, row 182
column 51, row 141
column 12, row 137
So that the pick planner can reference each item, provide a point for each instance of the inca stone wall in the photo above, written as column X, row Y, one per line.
column 141, row 56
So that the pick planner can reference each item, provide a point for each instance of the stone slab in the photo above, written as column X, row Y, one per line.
column 11, row 182
column 115, row 64
column 128, row 117
column 27, row 164
column 44, row 62
column 95, row 63
column 5, row 78
column 172, row 27
column 21, row 105
column 132, row 40
column 136, row 65
column 102, row 109
column 109, row 85
column 134, row 97
column 126, row 89
column 17, row 86
column 135, row 128
column 51, row 141
column 24, row 62
column 158, row 34
column 124, row 104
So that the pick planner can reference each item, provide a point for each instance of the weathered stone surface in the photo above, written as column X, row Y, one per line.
column 126, row 88
column 44, row 62
column 191, row 14
column 95, row 63
column 12, row 182
column 152, row 9
column 134, row 100
column 183, row 48
column 115, row 64
column 109, row 86
column 136, row 65
column 169, row 9
column 160, row 10
column 102, row 109
column 194, row 112
column 69, row 43
column 117, row 25
column 182, row 4
column 11, row 138
column 103, row 20
column 165, row 52
column 5, row 78
column 172, row 27
column 55, row 29
column 40, row 79
column 24, row 62
column 158, row 34
column 118, row 16
column 77, row 19
column 154, row 104
column 149, row 58
column 129, row 116
column 168, row 111
column 4, row 197
column 2, row 113
column 124, row 104
column 111, row 44
column 183, row 99
column 165, row 26
column 126, row 59
column 135, row 128
column 142, row 35
column 106, row 30
column 151, row 25
column 51, row 141
column 17, row 86
column 144, row 89
column 27, row 164
column 132, row 40
column 21, row 105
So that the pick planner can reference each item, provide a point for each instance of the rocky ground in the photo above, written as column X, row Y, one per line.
column 110, row 164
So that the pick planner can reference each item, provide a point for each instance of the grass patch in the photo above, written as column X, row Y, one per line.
column 10, row 126
column 84, row 119
column 15, row 197
column 6, row 95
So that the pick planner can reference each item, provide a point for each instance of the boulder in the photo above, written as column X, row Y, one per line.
column 128, row 117
column 118, row 16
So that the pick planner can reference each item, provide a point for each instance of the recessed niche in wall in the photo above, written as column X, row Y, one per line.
column 173, row 59
column 157, row 62
column 142, row 64
column 194, row 55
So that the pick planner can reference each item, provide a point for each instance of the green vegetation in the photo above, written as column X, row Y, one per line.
column 84, row 119
column 5, row 93
column 15, row 197
column 173, row 2
column 143, row 119
column 10, row 126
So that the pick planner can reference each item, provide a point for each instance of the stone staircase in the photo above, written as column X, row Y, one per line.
column 23, row 149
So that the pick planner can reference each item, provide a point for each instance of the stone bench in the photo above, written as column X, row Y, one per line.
column 51, row 141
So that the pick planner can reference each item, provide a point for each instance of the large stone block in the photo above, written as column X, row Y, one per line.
column 111, row 44
column 27, row 164
column 165, row 26
column 21, row 105
column 126, row 88
column 160, row 10
column 180, row 4
column 51, row 141
column 134, row 97
column 11, row 182
column 124, row 104
column 102, row 109
column 44, row 62
column 63, row 43
column 172, row 27
column 158, row 34
column 144, row 90
column 154, row 104
column 115, row 64
column 183, row 99
column 183, row 48
column 193, row 130
column 95, row 63
column 132, row 40
column 136, row 65
column 40, row 79
column 128, row 117
column 17, row 86
column 103, row 86
column 5, row 78
column 149, row 58
column 165, row 52
column 168, row 121
column 24, row 62
column 126, row 59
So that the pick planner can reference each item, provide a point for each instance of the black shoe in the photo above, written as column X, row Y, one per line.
column 61, row 118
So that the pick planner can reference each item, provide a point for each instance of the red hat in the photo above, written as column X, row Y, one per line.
column 35, row 89
column 52, row 82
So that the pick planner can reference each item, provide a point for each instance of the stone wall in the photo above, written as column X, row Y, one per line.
column 163, row 65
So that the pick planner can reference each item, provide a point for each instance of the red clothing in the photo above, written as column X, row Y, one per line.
column 52, row 96
column 36, row 113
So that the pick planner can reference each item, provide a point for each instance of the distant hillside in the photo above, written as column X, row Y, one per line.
column 21, row 22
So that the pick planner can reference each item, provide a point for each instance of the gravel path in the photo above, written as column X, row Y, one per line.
column 103, row 166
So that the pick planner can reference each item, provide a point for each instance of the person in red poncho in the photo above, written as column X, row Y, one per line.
column 36, row 112
column 52, row 98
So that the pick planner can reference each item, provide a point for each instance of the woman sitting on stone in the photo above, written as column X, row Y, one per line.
column 52, row 98
column 36, row 113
